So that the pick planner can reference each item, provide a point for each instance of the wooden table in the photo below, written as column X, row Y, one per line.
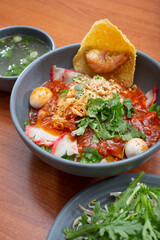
column 31, row 192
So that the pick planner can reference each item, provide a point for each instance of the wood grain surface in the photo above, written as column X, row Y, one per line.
column 31, row 192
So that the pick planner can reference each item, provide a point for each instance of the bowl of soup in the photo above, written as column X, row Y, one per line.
column 39, row 76
column 20, row 46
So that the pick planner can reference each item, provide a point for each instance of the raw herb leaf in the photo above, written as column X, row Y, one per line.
column 95, row 139
column 103, row 134
column 135, row 133
column 155, row 107
column 78, row 77
column 27, row 39
column 94, row 106
column 13, row 70
column 105, row 117
column 68, row 157
column 149, row 232
column 91, row 155
column 26, row 123
column 79, row 131
column 96, row 77
column 82, row 124
column 157, row 208
column 47, row 149
column 128, row 106
column 84, row 218
column 7, row 52
column 97, row 207
column 63, row 91
column 121, row 229
column 124, row 220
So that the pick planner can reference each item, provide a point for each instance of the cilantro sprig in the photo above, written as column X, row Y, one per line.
column 47, row 149
column 132, row 216
column 26, row 123
column 91, row 155
column 155, row 107
column 69, row 157
column 128, row 106
column 105, row 117
column 63, row 91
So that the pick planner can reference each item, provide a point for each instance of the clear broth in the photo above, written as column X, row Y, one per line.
column 17, row 52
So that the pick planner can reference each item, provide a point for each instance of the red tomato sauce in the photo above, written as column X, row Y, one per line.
column 147, row 122
column 107, row 147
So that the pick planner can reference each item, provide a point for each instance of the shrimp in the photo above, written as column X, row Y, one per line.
column 101, row 61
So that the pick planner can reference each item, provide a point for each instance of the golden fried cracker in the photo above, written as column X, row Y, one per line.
column 104, row 35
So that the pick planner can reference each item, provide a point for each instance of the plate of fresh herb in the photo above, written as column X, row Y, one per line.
column 97, row 214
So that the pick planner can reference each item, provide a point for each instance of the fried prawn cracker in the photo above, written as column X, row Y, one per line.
column 104, row 35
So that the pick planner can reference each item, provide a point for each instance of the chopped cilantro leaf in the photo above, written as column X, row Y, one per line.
column 95, row 139
column 91, row 155
column 26, row 123
column 78, row 77
column 63, row 91
column 131, row 133
column 47, row 149
column 68, row 157
column 128, row 106
column 27, row 39
column 96, row 77
column 83, row 123
column 13, row 70
column 155, row 107
column 7, row 52
column 105, row 117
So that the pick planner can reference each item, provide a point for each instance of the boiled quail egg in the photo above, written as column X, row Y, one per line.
column 40, row 96
column 135, row 146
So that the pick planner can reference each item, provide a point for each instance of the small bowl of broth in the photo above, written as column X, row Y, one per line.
column 19, row 47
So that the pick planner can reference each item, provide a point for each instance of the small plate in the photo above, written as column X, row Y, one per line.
column 99, row 191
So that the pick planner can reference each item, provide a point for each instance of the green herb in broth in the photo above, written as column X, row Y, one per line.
column 13, row 70
column 6, row 53
column 27, row 39
column 17, row 52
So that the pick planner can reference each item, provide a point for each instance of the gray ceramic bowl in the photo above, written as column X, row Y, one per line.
column 6, row 83
column 147, row 74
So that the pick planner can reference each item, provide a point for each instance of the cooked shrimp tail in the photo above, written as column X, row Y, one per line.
column 102, row 62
